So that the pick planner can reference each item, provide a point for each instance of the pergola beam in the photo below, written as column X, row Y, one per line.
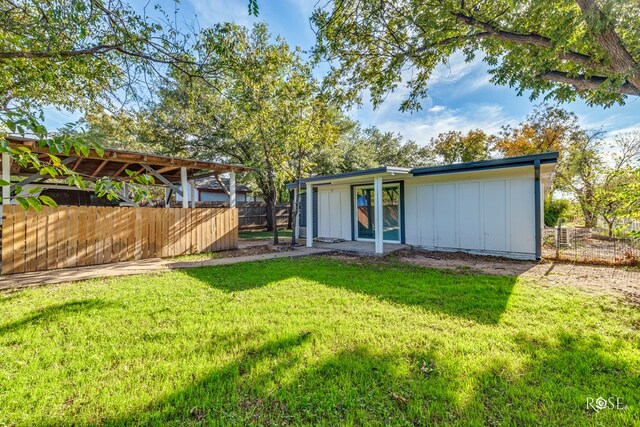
column 77, row 163
column 164, row 180
column 221, row 184
column 122, row 168
column 99, row 168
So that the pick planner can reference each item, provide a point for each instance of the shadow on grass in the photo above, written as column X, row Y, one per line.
column 52, row 312
column 359, row 387
column 481, row 298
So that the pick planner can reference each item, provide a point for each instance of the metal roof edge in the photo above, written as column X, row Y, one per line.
column 507, row 162
column 362, row 172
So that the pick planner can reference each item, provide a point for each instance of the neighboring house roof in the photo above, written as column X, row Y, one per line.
column 211, row 184
column 507, row 162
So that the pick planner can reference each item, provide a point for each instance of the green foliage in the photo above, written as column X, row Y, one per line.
column 358, row 148
column 558, row 49
column 454, row 147
column 547, row 128
column 79, row 55
column 554, row 209
column 316, row 341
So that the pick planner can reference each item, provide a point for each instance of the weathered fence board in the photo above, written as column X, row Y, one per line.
column 71, row 236
column 252, row 215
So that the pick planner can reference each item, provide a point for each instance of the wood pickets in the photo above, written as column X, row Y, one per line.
column 78, row 236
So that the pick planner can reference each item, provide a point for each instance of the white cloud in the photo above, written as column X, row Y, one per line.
column 455, row 69
column 489, row 118
column 437, row 108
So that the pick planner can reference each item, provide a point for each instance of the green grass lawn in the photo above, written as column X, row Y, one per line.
column 315, row 341
column 263, row 235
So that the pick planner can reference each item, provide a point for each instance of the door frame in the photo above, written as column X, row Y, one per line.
column 354, row 209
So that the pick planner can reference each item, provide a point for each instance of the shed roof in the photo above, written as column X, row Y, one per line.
column 507, row 162
column 113, row 163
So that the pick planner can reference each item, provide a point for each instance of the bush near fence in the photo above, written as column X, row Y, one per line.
column 251, row 215
column 589, row 245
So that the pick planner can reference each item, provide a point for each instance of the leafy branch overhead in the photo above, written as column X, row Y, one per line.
column 557, row 49
column 86, row 56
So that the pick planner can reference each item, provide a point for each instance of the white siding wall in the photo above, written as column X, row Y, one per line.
column 334, row 212
column 494, row 216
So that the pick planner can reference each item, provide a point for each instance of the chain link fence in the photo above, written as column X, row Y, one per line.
column 590, row 245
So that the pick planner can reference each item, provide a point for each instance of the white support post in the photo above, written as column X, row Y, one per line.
column 296, row 220
column 232, row 189
column 192, row 186
column 309, row 207
column 379, row 223
column 6, row 176
column 185, row 187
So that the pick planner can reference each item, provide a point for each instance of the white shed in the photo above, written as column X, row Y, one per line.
column 492, row 207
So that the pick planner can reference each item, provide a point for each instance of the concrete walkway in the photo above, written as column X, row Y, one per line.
column 155, row 265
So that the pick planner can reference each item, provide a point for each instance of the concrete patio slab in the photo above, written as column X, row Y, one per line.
column 359, row 247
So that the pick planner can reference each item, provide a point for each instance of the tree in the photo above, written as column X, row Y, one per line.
column 558, row 49
column 454, row 147
column 616, row 196
column 603, row 183
column 266, row 111
column 579, row 171
column 357, row 148
column 82, row 55
column 547, row 128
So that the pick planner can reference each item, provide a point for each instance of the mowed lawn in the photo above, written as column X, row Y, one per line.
column 316, row 341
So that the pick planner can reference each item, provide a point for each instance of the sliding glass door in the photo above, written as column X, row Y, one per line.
column 365, row 213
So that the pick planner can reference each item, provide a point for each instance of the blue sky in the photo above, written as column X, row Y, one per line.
column 460, row 95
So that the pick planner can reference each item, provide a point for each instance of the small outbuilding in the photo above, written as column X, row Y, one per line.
column 492, row 207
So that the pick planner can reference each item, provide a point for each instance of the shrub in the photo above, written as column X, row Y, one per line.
column 554, row 210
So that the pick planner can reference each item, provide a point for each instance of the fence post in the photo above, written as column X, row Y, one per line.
column 558, row 237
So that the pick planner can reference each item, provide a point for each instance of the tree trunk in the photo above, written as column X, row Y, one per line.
column 270, row 214
column 290, row 214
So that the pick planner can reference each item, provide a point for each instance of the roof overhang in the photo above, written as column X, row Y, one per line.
column 113, row 163
column 547, row 162
column 352, row 177
column 508, row 162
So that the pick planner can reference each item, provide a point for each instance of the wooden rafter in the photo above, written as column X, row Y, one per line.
column 76, row 164
column 121, row 169
column 99, row 168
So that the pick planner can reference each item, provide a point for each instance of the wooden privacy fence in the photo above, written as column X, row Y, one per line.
column 253, row 215
column 74, row 236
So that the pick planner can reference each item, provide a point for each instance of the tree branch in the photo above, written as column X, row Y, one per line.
column 582, row 82
column 534, row 39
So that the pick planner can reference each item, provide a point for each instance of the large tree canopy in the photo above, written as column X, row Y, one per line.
column 559, row 49
column 80, row 55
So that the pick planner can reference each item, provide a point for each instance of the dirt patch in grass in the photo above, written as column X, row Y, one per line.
column 463, row 262
column 597, row 279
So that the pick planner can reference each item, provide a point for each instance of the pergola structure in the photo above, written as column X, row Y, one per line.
column 175, row 174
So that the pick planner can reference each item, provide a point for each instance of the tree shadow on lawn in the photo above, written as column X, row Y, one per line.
column 52, row 312
column 482, row 298
column 357, row 386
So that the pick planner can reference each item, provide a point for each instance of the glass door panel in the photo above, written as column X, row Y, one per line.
column 365, row 214
column 391, row 211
